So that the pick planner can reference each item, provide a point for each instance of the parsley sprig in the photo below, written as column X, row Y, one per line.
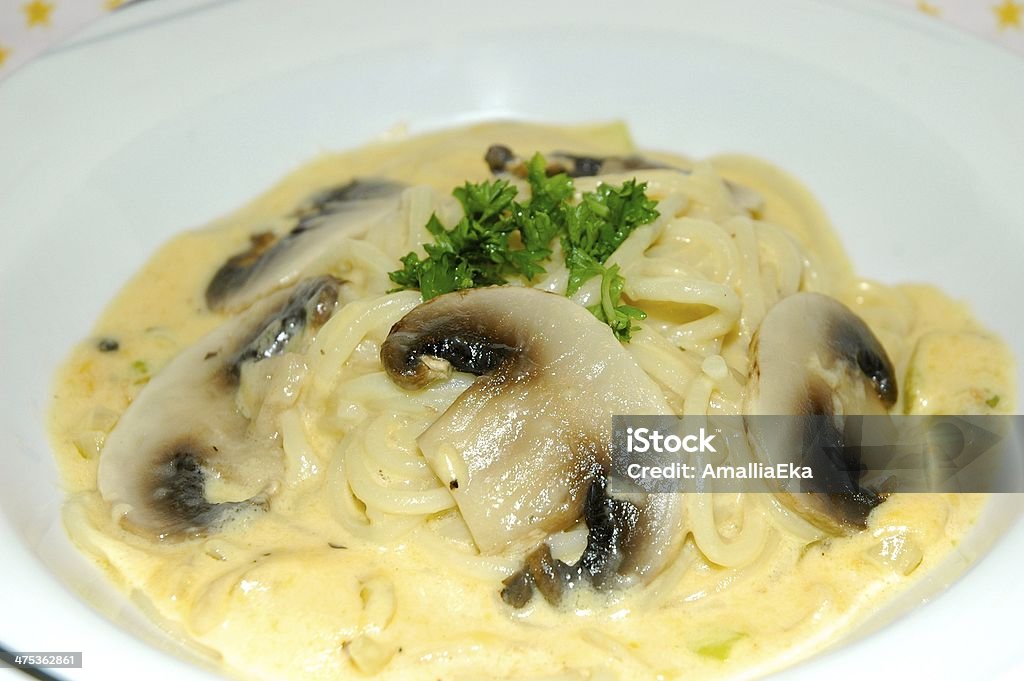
column 500, row 236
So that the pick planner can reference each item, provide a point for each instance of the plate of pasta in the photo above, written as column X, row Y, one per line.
column 323, row 361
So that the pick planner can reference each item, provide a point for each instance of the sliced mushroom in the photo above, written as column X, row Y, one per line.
column 629, row 540
column 521, row 448
column 815, row 359
column 500, row 159
column 182, row 457
column 323, row 222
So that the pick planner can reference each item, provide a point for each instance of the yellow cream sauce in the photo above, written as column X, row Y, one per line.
column 287, row 594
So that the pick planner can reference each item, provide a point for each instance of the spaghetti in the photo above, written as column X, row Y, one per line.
column 358, row 561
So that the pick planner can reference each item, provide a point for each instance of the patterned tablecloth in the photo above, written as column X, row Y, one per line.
column 29, row 27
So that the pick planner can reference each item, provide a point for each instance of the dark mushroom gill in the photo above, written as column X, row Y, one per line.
column 524, row 450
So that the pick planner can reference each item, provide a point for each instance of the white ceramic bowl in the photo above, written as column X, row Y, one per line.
column 170, row 113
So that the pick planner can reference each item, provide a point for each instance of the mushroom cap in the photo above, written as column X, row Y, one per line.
column 324, row 223
column 501, row 159
column 813, row 358
column 184, row 430
column 629, row 540
column 521, row 447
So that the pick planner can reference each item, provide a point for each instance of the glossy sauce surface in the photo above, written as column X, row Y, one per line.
column 287, row 594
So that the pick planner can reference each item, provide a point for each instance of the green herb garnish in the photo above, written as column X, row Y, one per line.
column 141, row 368
column 993, row 401
column 721, row 648
column 500, row 237
column 473, row 253
column 611, row 310
column 599, row 224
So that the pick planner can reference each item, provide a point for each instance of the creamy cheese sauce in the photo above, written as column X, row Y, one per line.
column 290, row 594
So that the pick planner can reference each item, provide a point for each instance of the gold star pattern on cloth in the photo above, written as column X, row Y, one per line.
column 998, row 21
column 29, row 27
column 37, row 13
column 1009, row 14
